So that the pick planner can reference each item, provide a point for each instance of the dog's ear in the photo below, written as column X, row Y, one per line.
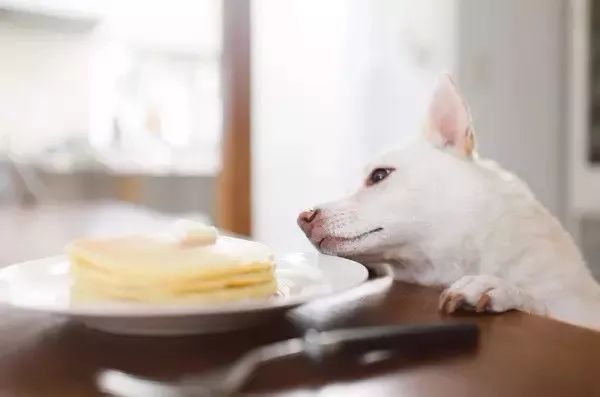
column 448, row 123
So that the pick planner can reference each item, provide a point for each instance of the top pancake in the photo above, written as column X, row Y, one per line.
column 159, row 257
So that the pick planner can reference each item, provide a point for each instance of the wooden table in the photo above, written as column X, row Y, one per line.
column 518, row 355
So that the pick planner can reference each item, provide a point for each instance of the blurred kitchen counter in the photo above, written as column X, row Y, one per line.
column 165, row 190
column 42, row 230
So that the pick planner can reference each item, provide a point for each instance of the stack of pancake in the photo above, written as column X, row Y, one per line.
column 197, row 266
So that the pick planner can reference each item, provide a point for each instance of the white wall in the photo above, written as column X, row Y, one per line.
column 406, row 46
column 512, row 57
column 300, row 109
column 334, row 83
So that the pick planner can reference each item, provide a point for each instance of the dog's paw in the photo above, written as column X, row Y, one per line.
column 482, row 293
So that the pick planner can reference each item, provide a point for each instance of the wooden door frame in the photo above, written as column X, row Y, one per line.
column 234, row 182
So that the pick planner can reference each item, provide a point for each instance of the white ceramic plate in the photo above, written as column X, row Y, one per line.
column 44, row 285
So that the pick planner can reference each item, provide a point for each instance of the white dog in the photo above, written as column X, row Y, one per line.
column 444, row 217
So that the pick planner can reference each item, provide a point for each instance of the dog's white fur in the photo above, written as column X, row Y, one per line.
column 451, row 219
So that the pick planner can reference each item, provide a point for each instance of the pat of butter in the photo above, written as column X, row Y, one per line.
column 190, row 233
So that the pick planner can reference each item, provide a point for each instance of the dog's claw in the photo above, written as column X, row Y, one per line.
column 456, row 301
column 483, row 304
column 450, row 302
column 443, row 300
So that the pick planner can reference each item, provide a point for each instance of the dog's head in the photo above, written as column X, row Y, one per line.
column 407, row 192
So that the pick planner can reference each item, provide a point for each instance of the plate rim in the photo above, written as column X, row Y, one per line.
column 183, row 309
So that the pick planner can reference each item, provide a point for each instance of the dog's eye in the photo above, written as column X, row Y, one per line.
column 378, row 175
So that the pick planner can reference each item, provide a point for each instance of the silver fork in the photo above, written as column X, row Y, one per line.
column 317, row 346
column 220, row 382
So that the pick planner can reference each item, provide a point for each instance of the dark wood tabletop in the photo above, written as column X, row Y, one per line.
column 517, row 355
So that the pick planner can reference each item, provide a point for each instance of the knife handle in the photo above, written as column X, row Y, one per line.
column 393, row 338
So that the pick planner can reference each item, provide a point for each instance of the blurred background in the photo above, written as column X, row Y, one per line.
column 118, row 115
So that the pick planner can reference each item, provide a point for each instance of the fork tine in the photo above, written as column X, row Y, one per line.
column 220, row 382
column 124, row 385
